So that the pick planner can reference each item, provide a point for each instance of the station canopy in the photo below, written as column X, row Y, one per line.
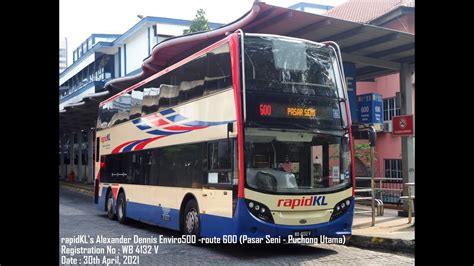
column 374, row 50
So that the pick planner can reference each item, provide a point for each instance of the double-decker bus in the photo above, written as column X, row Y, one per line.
column 249, row 136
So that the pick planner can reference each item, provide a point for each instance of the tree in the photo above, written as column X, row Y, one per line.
column 200, row 23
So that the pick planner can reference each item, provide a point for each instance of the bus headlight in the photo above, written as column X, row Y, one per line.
column 340, row 208
column 260, row 211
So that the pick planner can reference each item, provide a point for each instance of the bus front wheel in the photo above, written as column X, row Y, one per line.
column 191, row 225
column 110, row 206
column 121, row 208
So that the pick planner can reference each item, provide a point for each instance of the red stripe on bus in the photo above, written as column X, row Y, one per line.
column 115, row 191
column 349, row 122
column 119, row 147
column 144, row 143
column 159, row 122
column 235, row 63
column 178, row 127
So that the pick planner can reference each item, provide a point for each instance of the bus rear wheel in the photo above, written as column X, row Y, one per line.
column 121, row 208
column 110, row 206
column 191, row 224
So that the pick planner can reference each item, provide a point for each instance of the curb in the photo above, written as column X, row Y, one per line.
column 75, row 188
column 381, row 243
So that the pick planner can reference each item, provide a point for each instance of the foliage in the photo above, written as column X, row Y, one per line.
column 360, row 151
column 200, row 23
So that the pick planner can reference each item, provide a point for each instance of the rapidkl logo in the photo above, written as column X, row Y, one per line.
column 304, row 201
column 105, row 138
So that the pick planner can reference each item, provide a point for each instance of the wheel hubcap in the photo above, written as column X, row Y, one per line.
column 191, row 220
column 110, row 203
column 120, row 210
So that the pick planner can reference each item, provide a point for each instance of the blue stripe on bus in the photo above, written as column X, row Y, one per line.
column 243, row 223
column 140, row 123
column 143, row 127
column 167, row 112
column 176, row 118
column 129, row 147
column 101, row 202
column 246, row 224
column 152, row 214
column 165, row 133
column 212, row 225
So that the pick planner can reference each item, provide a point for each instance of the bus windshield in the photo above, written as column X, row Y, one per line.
column 296, row 162
column 292, row 83
column 285, row 65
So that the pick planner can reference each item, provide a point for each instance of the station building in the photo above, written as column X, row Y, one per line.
column 100, row 58
column 398, row 15
column 62, row 54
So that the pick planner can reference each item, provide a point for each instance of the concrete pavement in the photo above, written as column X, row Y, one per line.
column 391, row 232
column 86, row 236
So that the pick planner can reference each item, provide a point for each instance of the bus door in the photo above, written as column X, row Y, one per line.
column 217, row 188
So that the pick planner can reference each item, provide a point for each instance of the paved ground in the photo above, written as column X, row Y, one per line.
column 390, row 225
column 78, row 217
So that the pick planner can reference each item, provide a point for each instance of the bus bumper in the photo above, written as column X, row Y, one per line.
column 247, row 224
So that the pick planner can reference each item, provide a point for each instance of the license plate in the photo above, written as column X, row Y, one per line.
column 302, row 233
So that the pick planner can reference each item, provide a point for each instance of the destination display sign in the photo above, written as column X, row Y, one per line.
column 287, row 111
column 284, row 111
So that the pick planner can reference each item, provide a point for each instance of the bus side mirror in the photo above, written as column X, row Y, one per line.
column 372, row 136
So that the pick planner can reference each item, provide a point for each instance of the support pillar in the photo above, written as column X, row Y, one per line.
column 62, row 166
column 408, row 142
column 71, row 153
column 80, row 174
column 90, row 155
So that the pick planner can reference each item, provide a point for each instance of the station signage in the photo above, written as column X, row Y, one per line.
column 402, row 125
column 370, row 109
column 350, row 73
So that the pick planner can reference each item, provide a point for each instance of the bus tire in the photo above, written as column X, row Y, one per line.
column 121, row 208
column 110, row 205
column 191, row 224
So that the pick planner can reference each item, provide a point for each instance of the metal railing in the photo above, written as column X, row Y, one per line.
column 376, row 204
column 387, row 190
column 411, row 200
column 390, row 189
column 372, row 137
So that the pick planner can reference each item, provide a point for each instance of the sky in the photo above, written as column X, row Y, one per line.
column 78, row 19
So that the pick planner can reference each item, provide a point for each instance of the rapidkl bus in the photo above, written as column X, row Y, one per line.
column 249, row 136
